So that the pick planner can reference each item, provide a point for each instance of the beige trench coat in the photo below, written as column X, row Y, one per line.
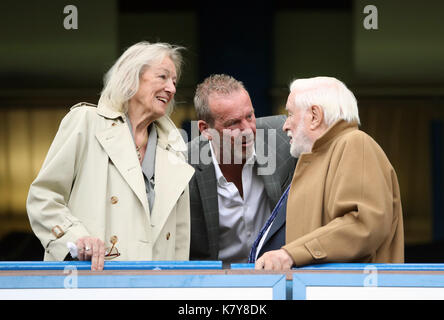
column 91, row 184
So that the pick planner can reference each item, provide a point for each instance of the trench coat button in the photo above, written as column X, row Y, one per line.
column 114, row 200
column 114, row 124
column 317, row 253
column 168, row 236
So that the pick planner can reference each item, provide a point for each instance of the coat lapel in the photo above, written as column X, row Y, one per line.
column 172, row 173
column 205, row 185
column 271, row 181
column 118, row 144
column 278, row 221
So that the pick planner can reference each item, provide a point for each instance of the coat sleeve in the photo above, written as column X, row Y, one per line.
column 183, row 227
column 359, row 206
column 47, row 203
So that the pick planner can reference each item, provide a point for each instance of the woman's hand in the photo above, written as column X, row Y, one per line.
column 93, row 249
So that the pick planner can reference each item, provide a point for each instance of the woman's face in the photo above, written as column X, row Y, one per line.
column 156, row 89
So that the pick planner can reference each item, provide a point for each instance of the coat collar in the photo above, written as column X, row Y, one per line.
column 109, row 113
column 336, row 130
column 168, row 135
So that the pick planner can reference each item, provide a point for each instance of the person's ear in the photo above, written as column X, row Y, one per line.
column 317, row 117
column 203, row 128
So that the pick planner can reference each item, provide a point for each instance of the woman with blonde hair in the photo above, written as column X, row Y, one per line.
column 115, row 180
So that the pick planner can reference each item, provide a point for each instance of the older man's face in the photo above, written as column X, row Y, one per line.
column 295, row 126
column 234, row 126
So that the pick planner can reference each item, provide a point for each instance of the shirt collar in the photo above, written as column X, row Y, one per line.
column 219, row 176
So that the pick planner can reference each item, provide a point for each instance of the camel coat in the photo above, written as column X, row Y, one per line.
column 91, row 184
column 344, row 203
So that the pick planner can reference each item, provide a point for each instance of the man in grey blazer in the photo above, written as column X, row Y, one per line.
column 242, row 167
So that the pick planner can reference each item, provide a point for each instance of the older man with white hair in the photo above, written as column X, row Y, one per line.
column 343, row 204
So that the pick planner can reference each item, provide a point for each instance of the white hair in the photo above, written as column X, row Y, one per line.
column 335, row 99
column 121, row 82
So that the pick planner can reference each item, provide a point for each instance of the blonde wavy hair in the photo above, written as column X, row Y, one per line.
column 121, row 82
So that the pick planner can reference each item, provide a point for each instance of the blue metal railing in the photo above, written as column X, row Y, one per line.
column 215, row 265
column 360, row 266
column 111, row 265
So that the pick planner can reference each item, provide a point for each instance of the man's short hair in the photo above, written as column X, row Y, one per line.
column 221, row 84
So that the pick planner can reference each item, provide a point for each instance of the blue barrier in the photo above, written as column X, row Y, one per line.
column 322, row 281
column 358, row 266
column 111, row 265
column 18, row 280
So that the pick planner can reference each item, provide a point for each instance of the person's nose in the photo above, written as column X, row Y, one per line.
column 285, row 127
column 170, row 87
column 246, row 128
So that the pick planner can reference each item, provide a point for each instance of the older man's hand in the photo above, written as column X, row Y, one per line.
column 276, row 260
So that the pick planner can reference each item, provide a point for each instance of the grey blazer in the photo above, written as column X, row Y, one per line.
column 203, row 186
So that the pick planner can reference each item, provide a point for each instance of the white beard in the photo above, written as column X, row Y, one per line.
column 300, row 142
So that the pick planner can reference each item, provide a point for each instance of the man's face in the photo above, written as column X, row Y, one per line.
column 296, row 128
column 234, row 128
